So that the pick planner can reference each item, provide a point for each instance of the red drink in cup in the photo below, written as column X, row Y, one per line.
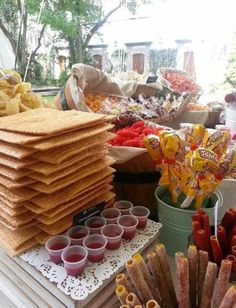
column 77, row 234
column 95, row 245
column 111, row 215
column 55, row 246
column 74, row 259
column 129, row 224
column 95, row 224
column 123, row 206
column 113, row 234
column 142, row 213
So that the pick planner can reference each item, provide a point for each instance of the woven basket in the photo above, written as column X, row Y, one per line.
column 171, row 116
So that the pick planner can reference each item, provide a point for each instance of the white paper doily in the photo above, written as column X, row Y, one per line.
column 95, row 273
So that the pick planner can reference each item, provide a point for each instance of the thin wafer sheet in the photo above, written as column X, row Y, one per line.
column 12, row 204
column 22, row 248
column 70, row 179
column 13, row 239
column 66, row 171
column 66, row 194
column 11, row 211
column 65, row 209
column 46, row 211
column 10, row 184
column 16, row 151
column 13, row 227
column 14, row 174
column 42, row 237
column 66, row 222
column 46, row 121
column 19, row 220
column 47, row 168
column 71, row 137
column 18, row 195
column 15, row 163
column 60, row 154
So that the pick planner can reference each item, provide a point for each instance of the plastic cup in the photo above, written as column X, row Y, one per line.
column 113, row 234
column 95, row 224
column 123, row 206
column 111, row 215
column 77, row 234
column 95, row 245
column 129, row 224
column 55, row 246
column 74, row 259
column 141, row 213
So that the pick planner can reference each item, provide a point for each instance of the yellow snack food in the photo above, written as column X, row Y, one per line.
column 193, row 134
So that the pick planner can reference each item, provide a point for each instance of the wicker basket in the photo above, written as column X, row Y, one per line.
column 171, row 116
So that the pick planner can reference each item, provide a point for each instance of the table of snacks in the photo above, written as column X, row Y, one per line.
column 32, row 280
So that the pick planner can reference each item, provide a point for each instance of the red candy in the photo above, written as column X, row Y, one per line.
column 132, row 136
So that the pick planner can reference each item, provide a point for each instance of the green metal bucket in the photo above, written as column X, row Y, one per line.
column 177, row 223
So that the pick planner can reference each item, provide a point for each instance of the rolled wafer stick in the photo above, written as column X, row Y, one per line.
column 147, row 277
column 203, row 240
column 206, row 224
column 138, row 306
column 228, row 220
column 182, row 271
column 125, row 306
column 208, row 285
column 121, row 279
column 162, row 257
column 229, row 300
column 232, row 258
column 196, row 227
column 203, row 259
column 121, row 293
column 159, row 277
column 192, row 257
column 132, row 300
column 138, row 281
column 221, row 235
column 216, row 249
column 233, row 250
column 222, row 283
column 152, row 304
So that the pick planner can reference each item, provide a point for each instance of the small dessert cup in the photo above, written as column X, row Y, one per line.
column 113, row 234
column 129, row 224
column 55, row 246
column 123, row 206
column 95, row 245
column 111, row 215
column 74, row 259
column 141, row 213
column 95, row 224
column 77, row 234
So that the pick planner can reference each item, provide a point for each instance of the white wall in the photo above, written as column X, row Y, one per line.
column 7, row 57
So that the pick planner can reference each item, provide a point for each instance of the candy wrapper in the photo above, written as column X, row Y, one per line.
column 204, row 164
column 172, row 148
column 193, row 134
column 216, row 140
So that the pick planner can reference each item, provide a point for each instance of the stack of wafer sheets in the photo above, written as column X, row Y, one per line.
column 53, row 164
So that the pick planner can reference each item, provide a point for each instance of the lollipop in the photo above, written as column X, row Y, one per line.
column 203, row 163
column 173, row 152
column 193, row 134
column 216, row 140
column 152, row 143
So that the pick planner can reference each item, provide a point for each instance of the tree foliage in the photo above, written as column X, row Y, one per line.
column 230, row 75
column 162, row 58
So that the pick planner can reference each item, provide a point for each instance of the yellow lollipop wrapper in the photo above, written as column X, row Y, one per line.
column 152, row 143
column 216, row 140
column 193, row 133
column 204, row 164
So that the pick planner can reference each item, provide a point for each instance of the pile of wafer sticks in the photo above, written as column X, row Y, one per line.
column 199, row 283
